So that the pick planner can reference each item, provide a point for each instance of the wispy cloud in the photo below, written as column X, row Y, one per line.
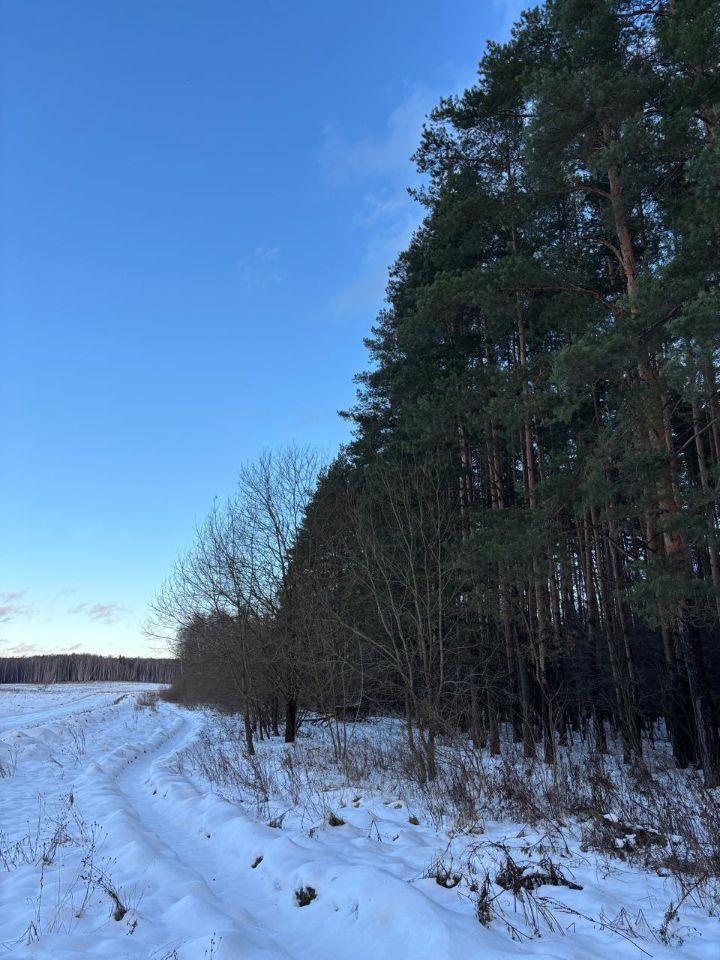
column 509, row 12
column 107, row 613
column 8, row 612
column 378, row 208
column 380, row 166
column 261, row 267
column 10, row 607
column 15, row 595
column 380, row 247
column 21, row 650
column 384, row 154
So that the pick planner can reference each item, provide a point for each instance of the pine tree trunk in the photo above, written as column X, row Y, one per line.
column 667, row 506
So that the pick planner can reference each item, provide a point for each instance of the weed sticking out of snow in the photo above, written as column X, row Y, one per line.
column 148, row 700
column 157, row 838
column 564, row 851
column 61, row 834
column 305, row 896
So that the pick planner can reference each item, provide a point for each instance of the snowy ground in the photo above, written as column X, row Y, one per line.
column 116, row 843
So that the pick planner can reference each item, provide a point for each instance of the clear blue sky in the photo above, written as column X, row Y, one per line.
column 199, row 202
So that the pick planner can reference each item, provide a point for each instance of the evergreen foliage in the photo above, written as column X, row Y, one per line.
column 524, row 528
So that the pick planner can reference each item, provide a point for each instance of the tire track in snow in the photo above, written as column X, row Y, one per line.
column 180, row 885
column 30, row 721
column 214, row 843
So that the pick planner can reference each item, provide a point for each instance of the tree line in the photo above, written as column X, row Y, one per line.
column 524, row 528
column 86, row 668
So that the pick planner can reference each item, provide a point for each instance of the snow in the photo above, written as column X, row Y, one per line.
column 115, row 844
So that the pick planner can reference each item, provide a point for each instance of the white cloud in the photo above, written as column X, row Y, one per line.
column 380, row 166
column 389, row 235
column 509, row 12
column 107, row 613
column 379, row 208
column 381, row 155
column 10, row 608
column 21, row 650
column 261, row 267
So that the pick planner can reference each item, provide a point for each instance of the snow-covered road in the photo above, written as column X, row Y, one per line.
column 111, row 848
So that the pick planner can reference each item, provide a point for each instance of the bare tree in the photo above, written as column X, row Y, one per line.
column 404, row 525
column 273, row 495
column 238, row 577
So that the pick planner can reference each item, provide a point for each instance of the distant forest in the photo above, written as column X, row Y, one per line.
column 85, row 667
column 522, row 538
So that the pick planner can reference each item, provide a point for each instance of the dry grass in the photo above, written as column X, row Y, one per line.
column 147, row 700
column 665, row 822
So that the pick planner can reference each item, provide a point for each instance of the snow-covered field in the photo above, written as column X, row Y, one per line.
column 129, row 831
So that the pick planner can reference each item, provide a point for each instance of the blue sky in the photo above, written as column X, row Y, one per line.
column 200, row 202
